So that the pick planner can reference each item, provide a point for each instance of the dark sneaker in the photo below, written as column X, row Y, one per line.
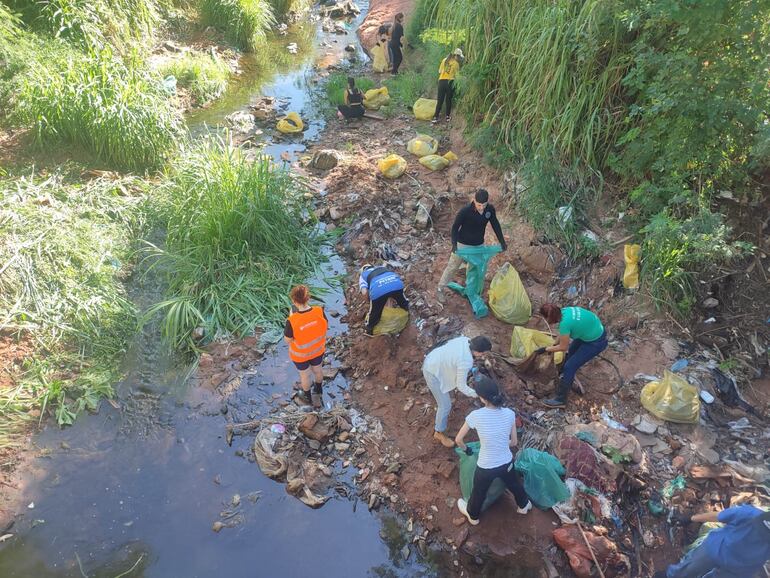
column 303, row 397
column 555, row 402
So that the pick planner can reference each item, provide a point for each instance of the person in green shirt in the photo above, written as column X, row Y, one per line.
column 581, row 335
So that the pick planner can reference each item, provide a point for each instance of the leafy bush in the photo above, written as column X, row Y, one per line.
column 204, row 75
column 699, row 93
column 63, row 250
column 244, row 22
column 118, row 113
column 236, row 243
column 674, row 250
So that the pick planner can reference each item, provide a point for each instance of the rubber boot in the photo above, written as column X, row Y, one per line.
column 317, row 395
column 560, row 400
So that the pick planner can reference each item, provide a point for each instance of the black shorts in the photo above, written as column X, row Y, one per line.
column 303, row 365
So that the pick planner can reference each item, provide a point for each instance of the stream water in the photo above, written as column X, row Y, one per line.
column 134, row 489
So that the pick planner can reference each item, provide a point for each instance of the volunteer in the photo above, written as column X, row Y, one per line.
column 496, row 428
column 581, row 335
column 380, row 284
column 396, row 43
column 445, row 368
column 381, row 52
column 739, row 549
column 305, row 332
column 354, row 101
column 468, row 231
column 447, row 72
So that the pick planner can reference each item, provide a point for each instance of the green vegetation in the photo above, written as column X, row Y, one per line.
column 116, row 112
column 235, row 243
column 204, row 75
column 337, row 83
column 64, row 249
column 287, row 7
column 244, row 22
column 666, row 101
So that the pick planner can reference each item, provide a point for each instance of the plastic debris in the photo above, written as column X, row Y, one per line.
column 672, row 399
column 375, row 98
column 467, row 470
column 611, row 422
column 680, row 364
column 424, row 108
column 706, row 396
column 673, row 486
column 392, row 166
column 542, row 477
column 291, row 124
column 278, row 428
column 422, row 145
column 631, row 254
column 393, row 321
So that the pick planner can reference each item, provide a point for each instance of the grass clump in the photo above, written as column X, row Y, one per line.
column 244, row 22
column 204, row 75
column 337, row 83
column 116, row 112
column 63, row 251
column 239, row 236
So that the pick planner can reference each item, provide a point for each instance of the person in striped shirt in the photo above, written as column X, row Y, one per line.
column 496, row 428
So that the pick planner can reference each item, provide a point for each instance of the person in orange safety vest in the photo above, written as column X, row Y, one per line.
column 305, row 332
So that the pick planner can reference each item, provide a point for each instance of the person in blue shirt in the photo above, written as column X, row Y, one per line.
column 739, row 549
column 380, row 284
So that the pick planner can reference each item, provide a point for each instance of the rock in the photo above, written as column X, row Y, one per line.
column 710, row 303
column 314, row 444
column 292, row 48
column 458, row 521
column 236, row 501
column 335, row 214
column 171, row 46
column 446, row 469
column 313, row 428
column 461, row 536
column 424, row 207
column 241, row 121
column 390, row 479
column 393, row 468
column 678, row 463
column 341, row 447
column 343, row 437
column 409, row 404
column 645, row 425
column 405, row 552
column 325, row 159
column 538, row 262
column 350, row 48
column 217, row 526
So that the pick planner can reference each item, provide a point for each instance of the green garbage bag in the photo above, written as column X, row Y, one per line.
column 467, row 467
column 477, row 259
column 542, row 477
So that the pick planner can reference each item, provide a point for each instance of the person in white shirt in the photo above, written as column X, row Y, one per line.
column 496, row 427
column 446, row 368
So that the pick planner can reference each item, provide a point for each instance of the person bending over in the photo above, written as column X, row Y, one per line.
column 380, row 284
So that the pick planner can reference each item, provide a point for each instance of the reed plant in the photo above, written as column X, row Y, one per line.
column 63, row 251
column 244, row 22
column 118, row 113
column 239, row 235
column 204, row 75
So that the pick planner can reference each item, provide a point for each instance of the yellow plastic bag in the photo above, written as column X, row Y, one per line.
column 508, row 299
column 393, row 320
column 291, row 123
column 424, row 108
column 376, row 97
column 392, row 166
column 434, row 162
column 672, row 399
column 631, row 255
column 450, row 156
column 525, row 341
column 422, row 145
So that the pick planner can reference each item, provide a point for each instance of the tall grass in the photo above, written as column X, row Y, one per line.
column 283, row 8
column 337, row 83
column 92, row 24
column 244, row 22
column 204, row 75
column 236, row 243
column 117, row 112
column 547, row 72
column 63, row 251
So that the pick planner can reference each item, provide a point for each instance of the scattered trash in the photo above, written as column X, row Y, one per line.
column 611, row 422
column 584, row 504
column 169, row 84
column 376, row 98
column 727, row 390
column 614, row 443
column 508, row 298
column 680, row 364
column 655, row 507
column 292, row 48
column 565, row 214
column 631, row 254
column 31, row 505
column 424, row 108
column 525, row 341
column 740, row 424
column 542, row 477
column 393, row 321
column 584, row 549
column 706, row 396
column 422, row 145
column 436, row 162
column 467, row 470
column 672, row 399
column 278, row 428
column 392, row 166
column 572, row 292
column 673, row 486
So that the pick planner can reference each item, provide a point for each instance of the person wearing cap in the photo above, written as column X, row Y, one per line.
column 447, row 72
column 468, row 230
column 380, row 284
column 739, row 549
column 496, row 428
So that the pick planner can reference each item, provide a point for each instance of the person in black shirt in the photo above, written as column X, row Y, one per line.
column 397, row 42
column 354, row 102
column 468, row 231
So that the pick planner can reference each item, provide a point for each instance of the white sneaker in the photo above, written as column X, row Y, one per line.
column 462, row 505
column 525, row 509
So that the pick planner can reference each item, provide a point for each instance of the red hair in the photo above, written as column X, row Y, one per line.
column 551, row 312
column 300, row 294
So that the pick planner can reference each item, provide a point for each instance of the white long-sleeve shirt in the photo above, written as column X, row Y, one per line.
column 451, row 364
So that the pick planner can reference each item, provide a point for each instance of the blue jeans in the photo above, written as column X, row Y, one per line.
column 579, row 353
column 697, row 564
column 443, row 401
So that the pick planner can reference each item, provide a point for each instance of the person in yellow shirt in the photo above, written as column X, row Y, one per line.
column 447, row 72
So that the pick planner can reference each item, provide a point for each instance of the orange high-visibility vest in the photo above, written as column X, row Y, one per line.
column 309, row 328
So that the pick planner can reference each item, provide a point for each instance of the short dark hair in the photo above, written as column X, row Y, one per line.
column 489, row 390
column 481, row 196
column 551, row 312
column 399, row 16
column 480, row 344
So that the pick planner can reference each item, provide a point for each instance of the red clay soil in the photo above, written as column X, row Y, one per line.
column 381, row 12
